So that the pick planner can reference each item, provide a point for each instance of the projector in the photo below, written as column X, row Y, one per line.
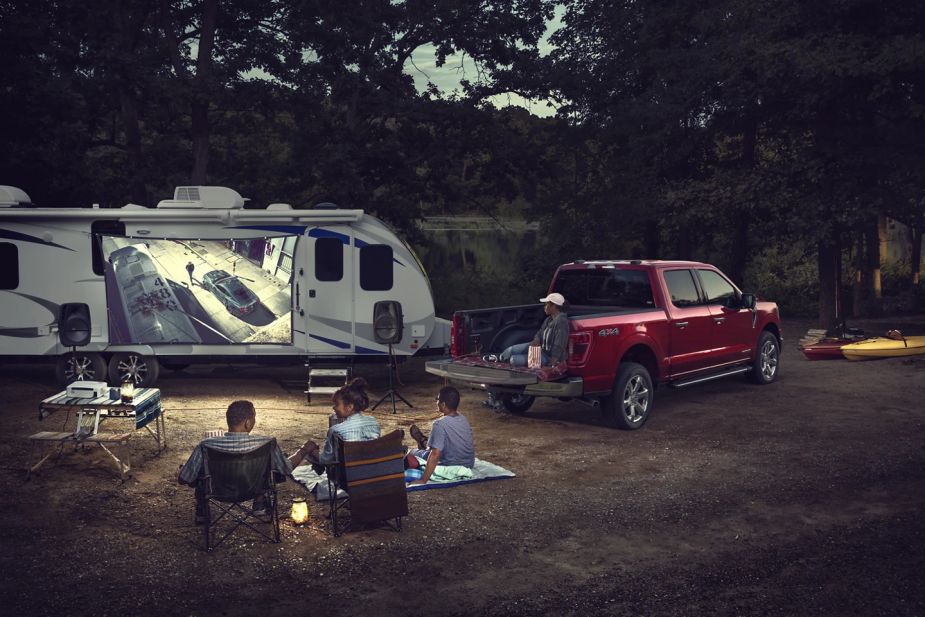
column 88, row 389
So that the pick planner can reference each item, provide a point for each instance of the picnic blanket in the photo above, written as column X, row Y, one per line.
column 482, row 471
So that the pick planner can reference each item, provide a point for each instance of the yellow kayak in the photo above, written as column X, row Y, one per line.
column 880, row 347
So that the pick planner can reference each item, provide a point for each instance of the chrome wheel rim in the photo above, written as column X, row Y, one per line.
column 134, row 369
column 79, row 368
column 635, row 399
column 769, row 360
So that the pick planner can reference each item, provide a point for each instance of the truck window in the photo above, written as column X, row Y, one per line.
column 606, row 287
column 716, row 288
column 329, row 259
column 9, row 273
column 376, row 267
column 682, row 288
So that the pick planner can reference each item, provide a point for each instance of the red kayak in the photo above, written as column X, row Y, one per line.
column 826, row 350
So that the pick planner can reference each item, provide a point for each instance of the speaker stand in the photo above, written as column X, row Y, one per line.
column 392, row 392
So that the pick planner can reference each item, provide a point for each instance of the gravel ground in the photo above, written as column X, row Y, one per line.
column 804, row 497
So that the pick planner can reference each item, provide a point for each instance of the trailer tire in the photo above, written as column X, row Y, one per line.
column 80, row 366
column 628, row 406
column 517, row 403
column 143, row 371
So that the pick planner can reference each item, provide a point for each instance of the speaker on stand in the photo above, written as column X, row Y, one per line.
column 388, row 328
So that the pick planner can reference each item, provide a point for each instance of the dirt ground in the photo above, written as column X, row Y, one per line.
column 804, row 497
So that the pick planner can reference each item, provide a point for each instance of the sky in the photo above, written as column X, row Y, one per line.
column 422, row 66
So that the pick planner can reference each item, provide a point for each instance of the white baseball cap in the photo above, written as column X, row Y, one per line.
column 556, row 298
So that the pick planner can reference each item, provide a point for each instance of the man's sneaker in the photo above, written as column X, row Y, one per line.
column 490, row 357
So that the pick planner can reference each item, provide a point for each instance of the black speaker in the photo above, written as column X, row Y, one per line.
column 74, row 324
column 387, row 322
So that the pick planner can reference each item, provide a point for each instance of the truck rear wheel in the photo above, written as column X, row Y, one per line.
column 517, row 403
column 80, row 366
column 141, row 370
column 628, row 406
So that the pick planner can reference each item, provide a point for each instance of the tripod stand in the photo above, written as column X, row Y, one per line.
column 392, row 392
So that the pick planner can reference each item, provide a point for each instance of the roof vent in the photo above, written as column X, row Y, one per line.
column 208, row 197
column 11, row 196
column 325, row 205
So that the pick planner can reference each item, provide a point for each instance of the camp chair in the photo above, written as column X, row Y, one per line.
column 372, row 473
column 230, row 482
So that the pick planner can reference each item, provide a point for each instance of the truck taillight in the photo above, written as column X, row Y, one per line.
column 457, row 336
column 579, row 346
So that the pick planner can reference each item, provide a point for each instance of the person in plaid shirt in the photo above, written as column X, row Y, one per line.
column 241, row 417
column 351, row 423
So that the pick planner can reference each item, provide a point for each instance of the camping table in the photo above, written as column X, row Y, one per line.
column 144, row 408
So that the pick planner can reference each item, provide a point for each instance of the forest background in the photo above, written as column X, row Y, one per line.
column 774, row 139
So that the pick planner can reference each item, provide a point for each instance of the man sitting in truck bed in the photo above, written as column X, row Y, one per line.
column 552, row 337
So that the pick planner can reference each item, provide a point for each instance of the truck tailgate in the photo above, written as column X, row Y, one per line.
column 452, row 369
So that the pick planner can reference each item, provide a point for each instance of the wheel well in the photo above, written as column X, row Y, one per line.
column 642, row 354
column 773, row 329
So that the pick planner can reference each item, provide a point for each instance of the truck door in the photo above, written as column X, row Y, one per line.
column 734, row 334
column 690, row 325
column 328, row 289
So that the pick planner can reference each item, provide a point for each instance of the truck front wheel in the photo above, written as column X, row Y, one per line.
column 767, row 359
column 517, row 403
column 628, row 407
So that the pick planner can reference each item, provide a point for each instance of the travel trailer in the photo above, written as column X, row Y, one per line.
column 117, row 292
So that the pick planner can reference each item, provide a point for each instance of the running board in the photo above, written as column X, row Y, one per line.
column 689, row 382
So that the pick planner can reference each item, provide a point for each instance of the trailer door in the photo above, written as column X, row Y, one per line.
column 328, row 290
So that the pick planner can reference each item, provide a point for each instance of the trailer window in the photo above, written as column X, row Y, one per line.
column 106, row 228
column 9, row 272
column 682, row 288
column 376, row 267
column 329, row 259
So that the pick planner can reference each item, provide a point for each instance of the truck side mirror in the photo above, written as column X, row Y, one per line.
column 748, row 301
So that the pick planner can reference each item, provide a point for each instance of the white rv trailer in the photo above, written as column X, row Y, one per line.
column 201, row 277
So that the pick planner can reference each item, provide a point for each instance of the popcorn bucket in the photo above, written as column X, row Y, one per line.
column 534, row 357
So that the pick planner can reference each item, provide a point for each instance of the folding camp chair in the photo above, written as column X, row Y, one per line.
column 230, row 482
column 372, row 473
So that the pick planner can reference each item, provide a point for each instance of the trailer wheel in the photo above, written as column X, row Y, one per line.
column 80, row 366
column 628, row 406
column 140, row 370
column 517, row 403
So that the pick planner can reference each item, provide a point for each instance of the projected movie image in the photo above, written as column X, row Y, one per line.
column 198, row 291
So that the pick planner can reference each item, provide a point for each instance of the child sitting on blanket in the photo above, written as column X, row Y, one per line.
column 449, row 454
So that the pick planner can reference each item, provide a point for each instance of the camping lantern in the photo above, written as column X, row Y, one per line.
column 127, row 391
column 299, row 512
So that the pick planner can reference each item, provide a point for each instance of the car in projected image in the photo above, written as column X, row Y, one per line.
column 237, row 298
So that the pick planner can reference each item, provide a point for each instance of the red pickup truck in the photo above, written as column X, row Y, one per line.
column 633, row 324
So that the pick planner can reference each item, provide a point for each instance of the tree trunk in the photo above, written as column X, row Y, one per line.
column 859, row 283
column 874, row 293
column 829, row 254
column 200, row 130
column 199, row 112
column 916, row 258
column 740, row 248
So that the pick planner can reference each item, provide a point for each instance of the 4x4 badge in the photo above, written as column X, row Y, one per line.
column 608, row 332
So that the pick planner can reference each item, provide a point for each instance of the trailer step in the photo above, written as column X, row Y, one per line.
column 326, row 374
